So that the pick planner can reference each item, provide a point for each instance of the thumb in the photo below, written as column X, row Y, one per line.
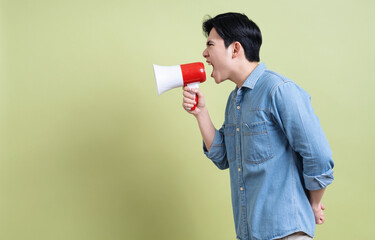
column 198, row 92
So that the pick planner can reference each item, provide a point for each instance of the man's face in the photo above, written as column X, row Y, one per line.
column 218, row 56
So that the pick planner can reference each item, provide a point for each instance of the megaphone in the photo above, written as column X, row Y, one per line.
column 168, row 77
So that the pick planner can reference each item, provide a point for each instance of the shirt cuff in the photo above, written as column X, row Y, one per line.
column 217, row 152
column 318, row 182
column 216, row 146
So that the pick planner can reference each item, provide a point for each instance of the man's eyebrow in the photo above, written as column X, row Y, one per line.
column 209, row 42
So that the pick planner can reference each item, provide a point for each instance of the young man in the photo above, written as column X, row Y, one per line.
column 278, row 156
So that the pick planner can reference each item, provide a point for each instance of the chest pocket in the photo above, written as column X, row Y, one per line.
column 256, row 142
column 229, row 137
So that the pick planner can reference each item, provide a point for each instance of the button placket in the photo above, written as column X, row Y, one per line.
column 239, row 162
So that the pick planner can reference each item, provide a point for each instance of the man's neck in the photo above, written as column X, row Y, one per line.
column 242, row 72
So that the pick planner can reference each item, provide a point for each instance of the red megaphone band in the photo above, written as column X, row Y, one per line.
column 193, row 72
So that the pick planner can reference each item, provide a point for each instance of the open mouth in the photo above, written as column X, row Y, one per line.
column 212, row 74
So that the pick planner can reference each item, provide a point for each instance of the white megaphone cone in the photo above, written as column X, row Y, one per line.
column 169, row 77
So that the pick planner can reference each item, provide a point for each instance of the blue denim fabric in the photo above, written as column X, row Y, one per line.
column 275, row 149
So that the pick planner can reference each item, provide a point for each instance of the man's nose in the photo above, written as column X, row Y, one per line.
column 205, row 53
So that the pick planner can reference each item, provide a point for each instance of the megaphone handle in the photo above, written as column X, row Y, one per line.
column 193, row 86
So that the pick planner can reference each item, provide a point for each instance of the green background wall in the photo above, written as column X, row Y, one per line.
column 88, row 151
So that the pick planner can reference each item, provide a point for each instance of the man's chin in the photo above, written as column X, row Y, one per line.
column 218, row 81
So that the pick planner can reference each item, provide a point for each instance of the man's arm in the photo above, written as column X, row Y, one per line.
column 293, row 111
column 201, row 114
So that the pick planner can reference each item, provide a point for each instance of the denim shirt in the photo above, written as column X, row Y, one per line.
column 276, row 151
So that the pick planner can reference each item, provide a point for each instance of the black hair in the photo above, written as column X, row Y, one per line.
column 236, row 27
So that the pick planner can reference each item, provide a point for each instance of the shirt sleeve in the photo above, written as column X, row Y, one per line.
column 292, row 109
column 218, row 153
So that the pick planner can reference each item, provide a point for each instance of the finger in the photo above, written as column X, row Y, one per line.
column 184, row 105
column 199, row 93
column 322, row 206
column 321, row 220
column 188, row 104
column 188, row 95
column 189, row 100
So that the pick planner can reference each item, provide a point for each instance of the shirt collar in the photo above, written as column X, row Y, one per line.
column 254, row 76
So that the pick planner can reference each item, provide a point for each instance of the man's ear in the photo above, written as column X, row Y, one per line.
column 237, row 47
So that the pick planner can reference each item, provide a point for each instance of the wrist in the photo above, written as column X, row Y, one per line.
column 315, row 197
column 201, row 114
column 315, row 206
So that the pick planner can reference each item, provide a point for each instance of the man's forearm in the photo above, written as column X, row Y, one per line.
column 316, row 197
column 206, row 127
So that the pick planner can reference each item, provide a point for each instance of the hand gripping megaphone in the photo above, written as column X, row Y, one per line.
column 168, row 77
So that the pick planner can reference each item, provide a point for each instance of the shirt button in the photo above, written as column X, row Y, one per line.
column 238, row 129
column 239, row 169
column 238, row 107
column 241, row 188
